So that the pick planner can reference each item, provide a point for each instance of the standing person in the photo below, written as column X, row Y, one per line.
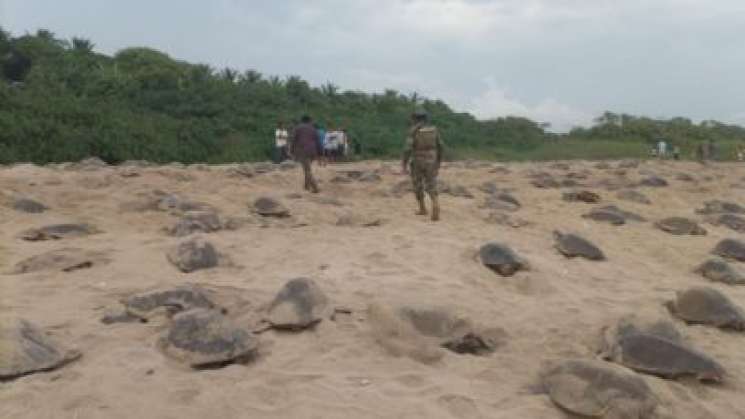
column 424, row 150
column 662, row 149
column 306, row 147
column 281, row 136
column 740, row 152
column 344, row 143
column 702, row 153
column 712, row 150
column 331, row 145
column 676, row 152
column 321, row 141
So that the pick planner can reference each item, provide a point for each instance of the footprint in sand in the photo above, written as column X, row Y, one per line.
column 184, row 395
column 413, row 381
column 459, row 406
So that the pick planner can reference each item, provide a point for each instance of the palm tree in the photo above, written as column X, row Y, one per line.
column 330, row 89
column 228, row 74
column 276, row 82
column 251, row 76
column 82, row 45
column 415, row 98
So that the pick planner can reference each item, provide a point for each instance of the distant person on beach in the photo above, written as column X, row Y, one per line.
column 321, row 141
column 712, row 150
column 306, row 147
column 424, row 151
column 662, row 149
column 331, row 145
column 281, row 137
column 702, row 153
column 344, row 143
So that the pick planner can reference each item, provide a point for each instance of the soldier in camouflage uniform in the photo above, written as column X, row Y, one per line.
column 424, row 151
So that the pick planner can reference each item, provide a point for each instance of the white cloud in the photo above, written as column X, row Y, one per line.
column 551, row 60
column 495, row 102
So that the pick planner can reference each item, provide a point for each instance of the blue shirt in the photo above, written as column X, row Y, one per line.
column 321, row 137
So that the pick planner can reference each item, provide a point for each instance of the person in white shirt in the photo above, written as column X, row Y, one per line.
column 281, row 137
column 343, row 143
column 331, row 145
column 662, row 149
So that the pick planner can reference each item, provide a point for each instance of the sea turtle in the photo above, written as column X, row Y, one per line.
column 588, row 197
column 731, row 249
column 502, row 201
column 193, row 255
column 633, row 196
column 501, row 259
column 685, row 177
column 731, row 221
column 680, row 226
column 597, row 389
column 546, row 182
column 718, row 270
column 196, row 221
column 602, row 165
column 270, row 207
column 29, row 206
column 57, row 232
column 706, row 305
column 721, row 207
column 288, row 165
column 627, row 215
column 458, row 191
column 653, row 181
column 174, row 300
column 657, row 348
column 472, row 343
column 62, row 260
column 604, row 216
column 299, row 304
column 560, row 166
column 175, row 203
column 369, row 177
column 489, row 188
column 505, row 219
column 572, row 245
column 25, row 349
column 628, row 164
column 204, row 338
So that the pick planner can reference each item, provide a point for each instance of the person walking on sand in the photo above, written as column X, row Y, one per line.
column 281, row 136
column 305, row 146
column 424, row 151
column 662, row 149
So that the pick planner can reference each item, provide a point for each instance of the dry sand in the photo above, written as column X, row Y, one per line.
column 552, row 312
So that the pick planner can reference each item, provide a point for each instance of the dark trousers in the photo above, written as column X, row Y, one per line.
column 310, row 182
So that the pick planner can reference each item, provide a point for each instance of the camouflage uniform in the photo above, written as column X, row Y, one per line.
column 424, row 147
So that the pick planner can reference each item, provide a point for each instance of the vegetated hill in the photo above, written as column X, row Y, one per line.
column 61, row 101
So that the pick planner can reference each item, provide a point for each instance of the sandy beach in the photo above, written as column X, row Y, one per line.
column 361, row 242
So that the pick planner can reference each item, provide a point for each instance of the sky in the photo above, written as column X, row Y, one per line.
column 558, row 61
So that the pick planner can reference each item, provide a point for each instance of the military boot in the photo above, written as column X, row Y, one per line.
column 422, row 207
column 435, row 209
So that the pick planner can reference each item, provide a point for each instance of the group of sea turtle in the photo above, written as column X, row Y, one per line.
column 202, row 334
column 608, row 386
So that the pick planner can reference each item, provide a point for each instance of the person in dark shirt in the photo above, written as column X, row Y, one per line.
column 306, row 147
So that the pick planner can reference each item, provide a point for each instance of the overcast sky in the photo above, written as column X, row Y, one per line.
column 557, row 61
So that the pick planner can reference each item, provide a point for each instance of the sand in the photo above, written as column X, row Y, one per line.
column 553, row 312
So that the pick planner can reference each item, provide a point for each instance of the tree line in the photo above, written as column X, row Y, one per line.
column 62, row 101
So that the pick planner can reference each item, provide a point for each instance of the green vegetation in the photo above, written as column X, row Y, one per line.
column 61, row 101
